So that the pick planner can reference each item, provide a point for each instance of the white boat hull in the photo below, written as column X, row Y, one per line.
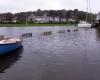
column 84, row 25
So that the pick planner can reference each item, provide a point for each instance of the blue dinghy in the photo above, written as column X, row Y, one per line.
column 9, row 45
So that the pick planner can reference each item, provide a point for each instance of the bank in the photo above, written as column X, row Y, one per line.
column 33, row 25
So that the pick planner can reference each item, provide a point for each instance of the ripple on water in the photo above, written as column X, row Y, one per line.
column 62, row 55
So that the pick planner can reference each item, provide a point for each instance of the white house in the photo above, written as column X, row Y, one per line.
column 63, row 19
column 45, row 19
column 72, row 20
column 41, row 19
column 56, row 19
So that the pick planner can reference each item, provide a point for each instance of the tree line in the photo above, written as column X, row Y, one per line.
column 66, row 14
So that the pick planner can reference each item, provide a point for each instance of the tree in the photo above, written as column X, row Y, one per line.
column 69, row 14
column 39, row 12
column 21, row 17
column 52, row 13
column 9, row 16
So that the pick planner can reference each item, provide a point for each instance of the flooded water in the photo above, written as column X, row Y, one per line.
column 61, row 55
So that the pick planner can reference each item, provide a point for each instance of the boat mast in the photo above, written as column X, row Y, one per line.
column 87, row 11
column 90, row 11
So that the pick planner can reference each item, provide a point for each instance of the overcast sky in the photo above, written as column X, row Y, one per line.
column 32, row 5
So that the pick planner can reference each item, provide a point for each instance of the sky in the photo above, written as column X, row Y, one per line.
column 15, row 6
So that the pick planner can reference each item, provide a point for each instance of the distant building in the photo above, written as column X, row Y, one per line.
column 31, row 17
column 63, row 20
column 56, row 19
column 46, row 19
column 50, row 19
column 41, row 19
column 72, row 20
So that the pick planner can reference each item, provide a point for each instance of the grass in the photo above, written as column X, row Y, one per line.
column 32, row 25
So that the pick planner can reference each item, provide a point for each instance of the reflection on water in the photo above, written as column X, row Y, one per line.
column 98, row 34
column 61, row 31
column 9, row 60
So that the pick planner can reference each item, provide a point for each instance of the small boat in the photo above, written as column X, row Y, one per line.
column 26, row 35
column 9, row 45
column 47, row 33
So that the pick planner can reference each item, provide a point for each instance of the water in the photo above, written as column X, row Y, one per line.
column 73, row 55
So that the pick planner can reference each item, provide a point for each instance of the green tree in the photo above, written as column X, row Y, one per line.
column 9, row 16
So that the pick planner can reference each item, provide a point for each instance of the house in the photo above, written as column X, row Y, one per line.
column 56, row 19
column 41, row 19
column 45, row 19
column 71, row 20
column 63, row 20
column 31, row 17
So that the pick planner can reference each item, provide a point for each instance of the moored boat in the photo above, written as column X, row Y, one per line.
column 84, row 25
column 9, row 45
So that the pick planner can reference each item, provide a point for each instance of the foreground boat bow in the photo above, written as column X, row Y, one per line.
column 9, row 45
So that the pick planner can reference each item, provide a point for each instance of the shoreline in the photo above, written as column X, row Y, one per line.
column 33, row 25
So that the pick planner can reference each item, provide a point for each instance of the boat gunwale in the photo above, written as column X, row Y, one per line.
column 11, row 43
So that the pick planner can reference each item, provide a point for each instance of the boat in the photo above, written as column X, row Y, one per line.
column 26, row 35
column 9, row 45
column 47, row 33
column 85, row 24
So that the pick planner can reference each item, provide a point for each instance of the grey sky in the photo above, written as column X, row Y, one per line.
column 31, row 5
